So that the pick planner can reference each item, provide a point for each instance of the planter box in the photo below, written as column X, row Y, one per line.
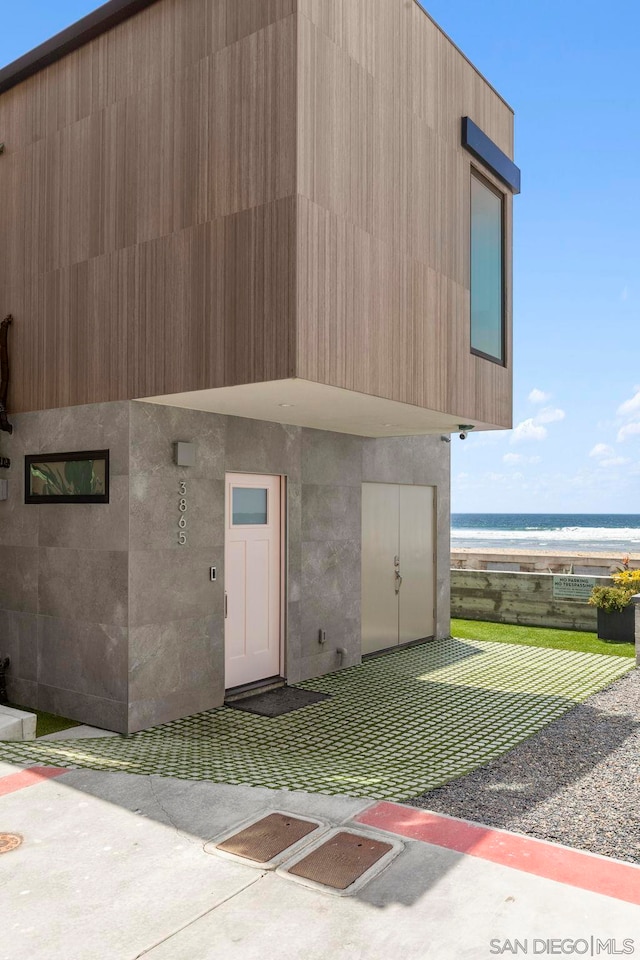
column 617, row 627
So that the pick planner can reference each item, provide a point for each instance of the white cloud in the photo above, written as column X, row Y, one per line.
column 528, row 430
column 630, row 407
column 601, row 450
column 629, row 430
column 615, row 462
column 503, row 479
column 513, row 458
column 539, row 396
column 606, row 457
column 549, row 415
column 532, row 428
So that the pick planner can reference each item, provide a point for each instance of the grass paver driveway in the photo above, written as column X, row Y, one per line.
column 393, row 727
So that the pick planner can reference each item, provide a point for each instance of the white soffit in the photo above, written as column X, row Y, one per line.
column 307, row 404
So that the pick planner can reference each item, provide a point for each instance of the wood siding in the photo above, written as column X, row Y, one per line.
column 383, row 220
column 148, row 197
column 218, row 192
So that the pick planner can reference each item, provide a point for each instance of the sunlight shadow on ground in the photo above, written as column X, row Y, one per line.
column 393, row 728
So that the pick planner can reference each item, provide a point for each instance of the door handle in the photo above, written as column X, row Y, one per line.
column 226, row 606
column 398, row 581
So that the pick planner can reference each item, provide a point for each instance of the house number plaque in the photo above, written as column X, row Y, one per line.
column 182, row 521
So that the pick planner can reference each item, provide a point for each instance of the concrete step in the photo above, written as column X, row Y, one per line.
column 17, row 724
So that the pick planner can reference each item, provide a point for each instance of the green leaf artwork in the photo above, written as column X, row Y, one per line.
column 69, row 478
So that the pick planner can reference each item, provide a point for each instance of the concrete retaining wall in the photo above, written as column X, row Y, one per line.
column 521, row 598
column 544, row 561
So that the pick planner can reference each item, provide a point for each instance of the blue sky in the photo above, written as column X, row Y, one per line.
column 569, row 69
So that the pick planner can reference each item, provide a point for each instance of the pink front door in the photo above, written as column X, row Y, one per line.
column 252, row 578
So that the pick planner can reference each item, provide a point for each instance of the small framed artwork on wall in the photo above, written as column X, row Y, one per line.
column 79, row 477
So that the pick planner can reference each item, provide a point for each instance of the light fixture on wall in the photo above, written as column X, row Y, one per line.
column 184, row 453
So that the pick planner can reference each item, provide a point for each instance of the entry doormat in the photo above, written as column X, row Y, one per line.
column 275, row 703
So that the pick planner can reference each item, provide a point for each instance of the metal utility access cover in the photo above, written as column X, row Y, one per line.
column 9, row 841
column 265, row 839
column 341, row 860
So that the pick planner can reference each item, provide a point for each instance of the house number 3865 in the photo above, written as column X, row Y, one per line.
column 182, row 506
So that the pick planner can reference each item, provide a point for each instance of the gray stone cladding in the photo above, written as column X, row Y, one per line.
column 64, row 573
column 109, row 620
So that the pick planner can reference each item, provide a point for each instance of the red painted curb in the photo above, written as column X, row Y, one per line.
column 542, row 859
column 28, row 778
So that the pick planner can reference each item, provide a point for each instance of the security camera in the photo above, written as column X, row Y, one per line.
column 465, row 429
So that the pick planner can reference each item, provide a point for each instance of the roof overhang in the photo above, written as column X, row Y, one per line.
column 83, row 31
column 304, row 403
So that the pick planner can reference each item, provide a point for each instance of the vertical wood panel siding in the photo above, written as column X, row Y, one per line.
column 148, row 196
column 383, row 222
column 228, row 191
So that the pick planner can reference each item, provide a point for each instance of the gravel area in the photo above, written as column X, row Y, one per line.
column 576, row 781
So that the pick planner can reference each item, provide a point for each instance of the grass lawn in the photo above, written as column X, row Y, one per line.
column 48, row 722
column 539, row 637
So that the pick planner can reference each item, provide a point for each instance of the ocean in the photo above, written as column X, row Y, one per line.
column 611, row 533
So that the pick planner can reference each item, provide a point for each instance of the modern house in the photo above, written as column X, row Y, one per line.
column 257, row 255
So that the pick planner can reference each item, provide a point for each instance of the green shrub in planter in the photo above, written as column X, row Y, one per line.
column 610, row 599
column 616, row 620
column 615, row 599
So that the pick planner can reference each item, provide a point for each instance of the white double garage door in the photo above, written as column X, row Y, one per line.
column 398, row 564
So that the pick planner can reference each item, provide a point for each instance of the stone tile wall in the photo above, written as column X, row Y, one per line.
column 108, row 619
column 64, row 573
column 331, row 467
column 176, row 620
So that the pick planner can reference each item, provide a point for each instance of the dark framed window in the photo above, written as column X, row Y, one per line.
column 79, row 477
column 487, row 270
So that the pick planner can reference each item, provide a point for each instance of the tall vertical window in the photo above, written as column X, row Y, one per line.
column 487, row 270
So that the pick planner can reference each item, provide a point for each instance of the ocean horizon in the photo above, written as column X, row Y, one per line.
column 612, row 533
